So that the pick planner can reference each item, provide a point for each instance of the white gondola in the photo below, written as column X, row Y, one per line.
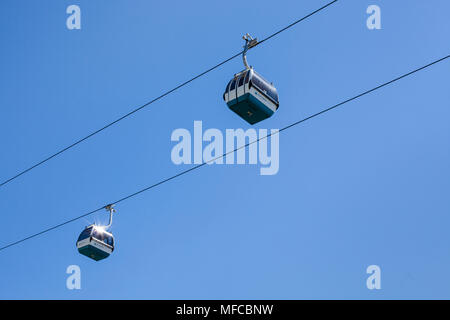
column 95, row 242
column 248, row 94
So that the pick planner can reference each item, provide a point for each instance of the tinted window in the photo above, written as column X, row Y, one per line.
column 241, row 80
column 247, row 76
column 109, row 240
column 97, row 235
column 228, row 85
column 273, row 94
column 233, row 85
column 259, row 83
column 85, row 234
column 100, row 235
column 265, row 87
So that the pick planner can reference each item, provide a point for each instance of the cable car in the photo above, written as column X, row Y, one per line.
column 95, row 242
column 248, row 94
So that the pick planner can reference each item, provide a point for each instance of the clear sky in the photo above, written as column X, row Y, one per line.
column 365, row 184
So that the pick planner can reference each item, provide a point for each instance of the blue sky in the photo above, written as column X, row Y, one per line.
column 365, row 184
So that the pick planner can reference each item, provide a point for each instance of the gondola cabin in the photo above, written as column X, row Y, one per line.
column 251, row 96
column 95, row 243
